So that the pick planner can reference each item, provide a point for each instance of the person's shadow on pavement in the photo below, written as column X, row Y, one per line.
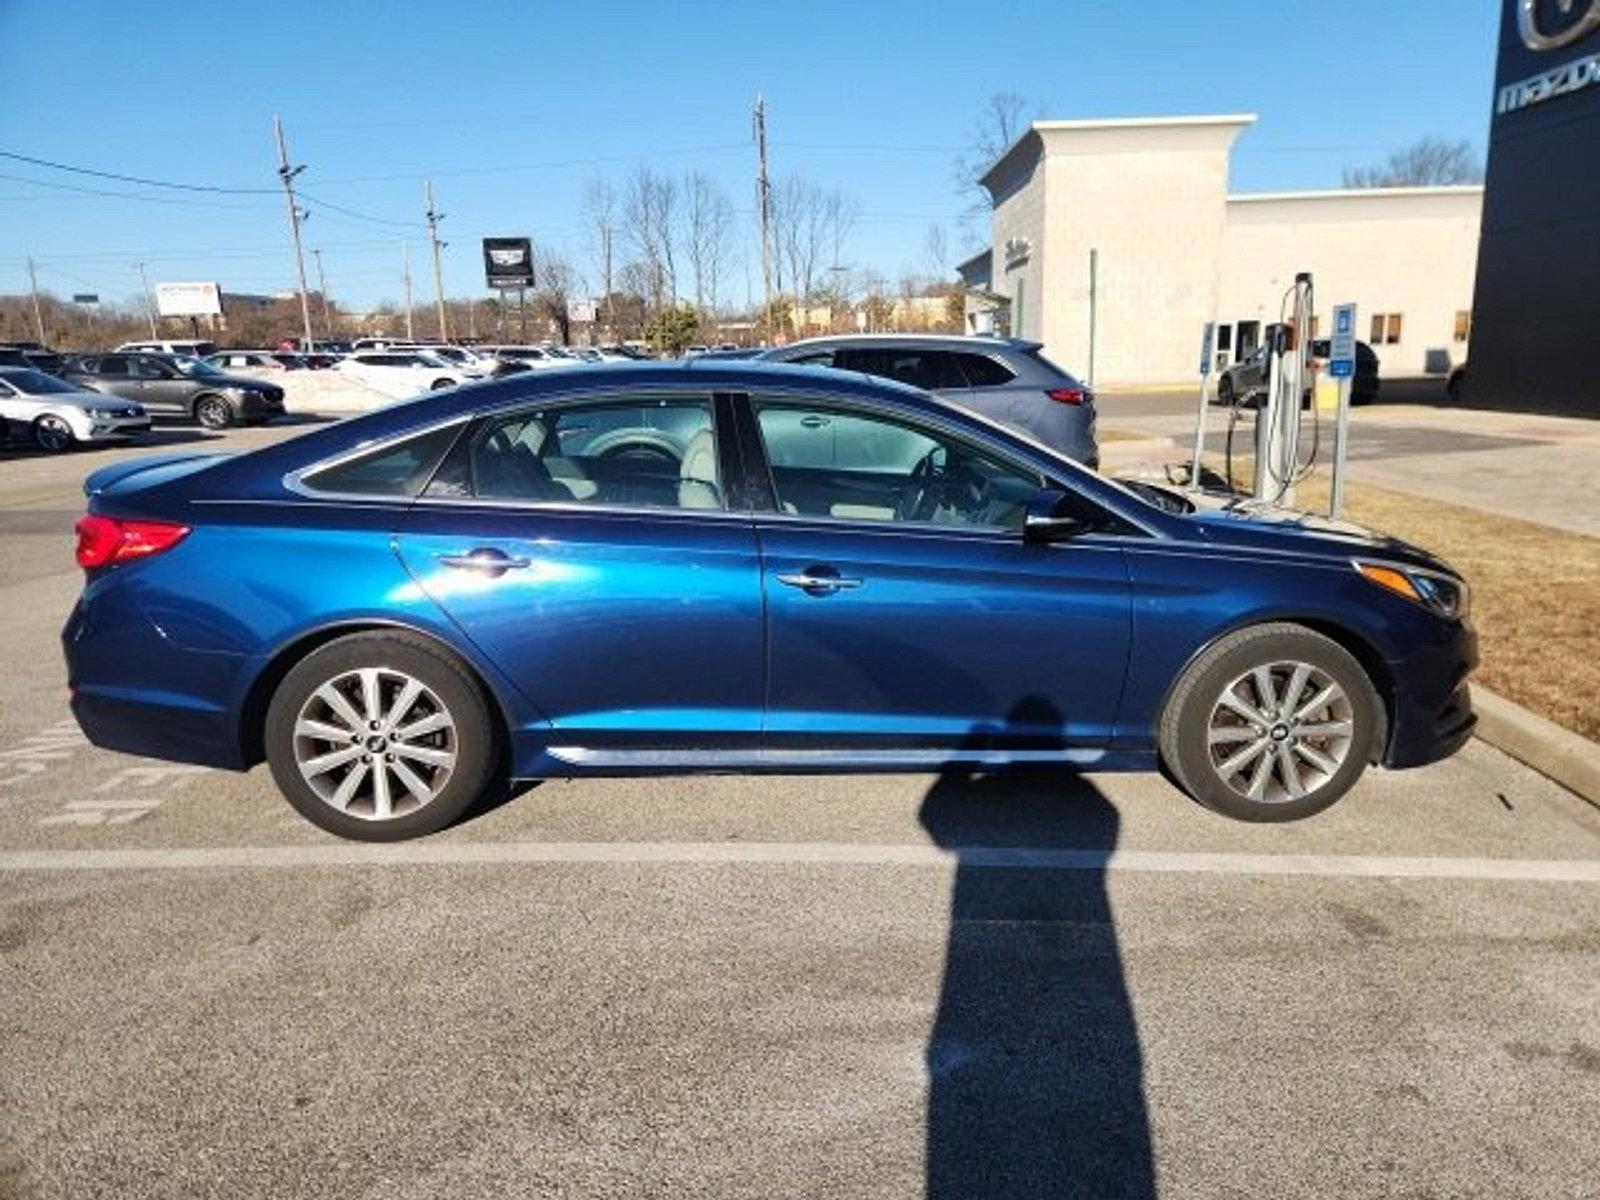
column 1035, row 1079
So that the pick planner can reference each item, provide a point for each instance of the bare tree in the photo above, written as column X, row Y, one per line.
column 936, row 250
column 554, row 283
column 650, row 220
column 1426, row 162
column 600, row 222
column 708, row 232
column 811, row 226
column 1003, row 118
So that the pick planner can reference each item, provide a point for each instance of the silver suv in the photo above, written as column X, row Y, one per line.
column 1005, row 379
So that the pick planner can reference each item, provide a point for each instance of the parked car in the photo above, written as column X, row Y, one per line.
column 825, row 572
column 1006, row 379
column 58, row 415
column 1245, row 382
column 400, row 373
column 30, row 354
column 256, row 362
column 178, row 386
column 535, row 358
column 189, row 347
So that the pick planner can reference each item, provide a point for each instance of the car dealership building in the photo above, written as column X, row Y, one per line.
column 1113, row 242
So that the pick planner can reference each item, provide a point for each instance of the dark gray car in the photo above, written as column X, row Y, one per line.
column 175, row 386
column 1005, row 379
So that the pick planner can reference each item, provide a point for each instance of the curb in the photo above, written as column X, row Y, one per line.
column 1554, row 752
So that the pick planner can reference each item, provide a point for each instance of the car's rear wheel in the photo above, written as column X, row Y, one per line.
column 1273, row 723
column 1225, row 390
column 213, row 412
column 52, row 434
column 439, row 385
column 381, row 737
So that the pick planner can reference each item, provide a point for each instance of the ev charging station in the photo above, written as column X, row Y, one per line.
column 1279, row 419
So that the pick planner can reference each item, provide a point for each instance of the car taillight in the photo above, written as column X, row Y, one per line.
column 106, row 540
column 1068, row 395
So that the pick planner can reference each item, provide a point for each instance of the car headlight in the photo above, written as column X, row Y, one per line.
column 1446, row 595
column 95, row 410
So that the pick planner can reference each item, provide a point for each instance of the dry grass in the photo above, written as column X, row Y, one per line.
column 1102, row 434
column 1535, row 595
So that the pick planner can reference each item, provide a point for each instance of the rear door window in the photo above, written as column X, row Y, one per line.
column 926, row 369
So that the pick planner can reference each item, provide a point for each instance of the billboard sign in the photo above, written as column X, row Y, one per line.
column 508, row 262
column 85, row 298
column 189, row 299
column 581, row 312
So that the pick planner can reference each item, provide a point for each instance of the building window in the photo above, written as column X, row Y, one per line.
column 1385, row 329
column 1463, row 329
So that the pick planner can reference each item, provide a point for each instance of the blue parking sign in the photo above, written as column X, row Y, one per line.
column 1342, row 347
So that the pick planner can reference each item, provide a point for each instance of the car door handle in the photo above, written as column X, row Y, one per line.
column 818, row 584
column 491, row 562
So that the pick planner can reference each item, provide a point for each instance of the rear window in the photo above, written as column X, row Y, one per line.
column 927, row 369
column 398, row 469
column 983, row 371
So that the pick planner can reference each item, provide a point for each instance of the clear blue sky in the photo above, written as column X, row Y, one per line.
column 510, row 107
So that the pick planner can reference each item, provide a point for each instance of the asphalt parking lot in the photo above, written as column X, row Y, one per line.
column 960, row 986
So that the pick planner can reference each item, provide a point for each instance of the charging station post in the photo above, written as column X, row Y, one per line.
column 1278, row 417
column 1207, row 340
column 1342, row 367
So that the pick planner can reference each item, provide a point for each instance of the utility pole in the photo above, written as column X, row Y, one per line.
column 38, row 316
column 764, row 207
column 149, row 304
column 322, row 288
column 438, row 272
column 286, row 173
column 405, row 267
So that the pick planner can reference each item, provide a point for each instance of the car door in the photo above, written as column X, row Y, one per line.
column 114, row 373
column 587, row 548
column 162, row 389
column 905, row 614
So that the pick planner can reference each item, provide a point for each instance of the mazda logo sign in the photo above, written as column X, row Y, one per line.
column 1535, row 38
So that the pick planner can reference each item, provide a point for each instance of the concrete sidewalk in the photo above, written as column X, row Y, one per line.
column 1534, row 468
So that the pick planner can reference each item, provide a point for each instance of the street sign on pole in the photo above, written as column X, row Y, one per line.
column 1207, row 341
column 1342, row 366
column 1342, row 350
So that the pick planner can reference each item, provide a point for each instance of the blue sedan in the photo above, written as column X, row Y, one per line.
column 725, row 566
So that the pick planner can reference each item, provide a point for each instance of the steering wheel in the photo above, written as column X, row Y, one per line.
column 921, row 496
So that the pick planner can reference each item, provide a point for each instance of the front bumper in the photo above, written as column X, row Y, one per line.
column 257, row 406
column 101, row 429
column 1432, row 715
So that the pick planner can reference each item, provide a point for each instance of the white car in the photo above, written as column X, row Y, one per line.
column 59, row 415
column 194, row 348
column 400, row 373
column 255, row 362
column 455, row 358
column 535, row 357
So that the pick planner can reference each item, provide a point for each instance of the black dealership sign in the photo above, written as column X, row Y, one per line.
column 1537, row 299
column 508, row 262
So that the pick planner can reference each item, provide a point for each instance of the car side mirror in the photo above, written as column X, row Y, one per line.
column 1052, row 516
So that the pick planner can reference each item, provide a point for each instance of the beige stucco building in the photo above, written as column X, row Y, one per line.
column 1115, row 241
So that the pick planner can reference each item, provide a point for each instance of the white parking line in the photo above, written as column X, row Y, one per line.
column 415, row 854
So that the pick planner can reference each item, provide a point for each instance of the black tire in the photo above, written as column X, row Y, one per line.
column 438, row 385
column 476, row 734
column 52, row 434
column 1186, row 727
column 1225, row 390
column 213, row 412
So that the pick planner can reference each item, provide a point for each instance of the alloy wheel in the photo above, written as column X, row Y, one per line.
column 375, row 743
column 1280, row 732
column 52, row 433
column 213, row 413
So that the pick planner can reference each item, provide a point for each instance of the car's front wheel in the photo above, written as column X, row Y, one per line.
column 1225, row 390
column 1273, row 723
column 381, row 737
column 212, row 412
column 52, row 434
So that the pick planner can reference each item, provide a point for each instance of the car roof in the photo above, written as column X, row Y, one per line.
column 928, row 341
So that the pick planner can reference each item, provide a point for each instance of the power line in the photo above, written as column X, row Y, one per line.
column 88, row 191
column 359, row 216
column 182, row 187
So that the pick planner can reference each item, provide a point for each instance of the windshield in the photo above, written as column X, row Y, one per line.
column 196, row 368
column 37, row 383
